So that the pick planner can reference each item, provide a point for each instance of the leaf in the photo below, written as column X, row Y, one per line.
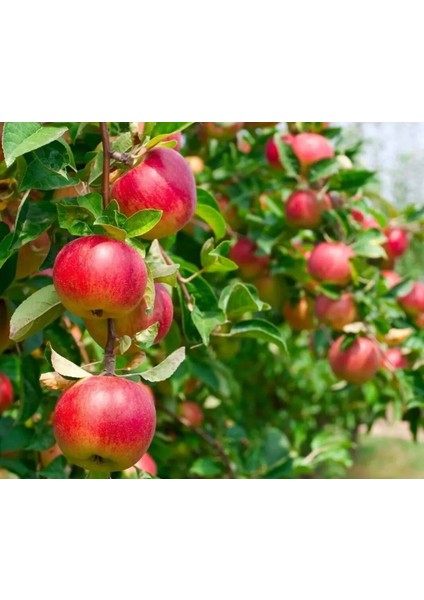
column 287, row 157
column 65, row 367
column 206, row 467
column 141, row 222
column 163, row 273
column 323, row 168
column 40, row 309
column 76, row 219
column 148, row 335
column 14, row 438
column 238, row 298
column 259, row 329
column 166, row 368
column 214, row 260
column 350, row 180
column 208, row 210
column 55, row 469
column 40, row 177
column 124, row 344
column 369, row 244
column 55, row 382
column 30, row 391
column 21, row 138
column 275, row 447
column 206, row 322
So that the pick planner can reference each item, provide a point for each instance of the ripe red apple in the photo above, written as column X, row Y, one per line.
column 394, row 359
column 335, row 313
column 358, row 363
column 304, row 208
column 146, row 463
column 300, row 314
column 413, row 303
column 4, row 326
column 138, row 319
column 6, row 393
column 311, row 147
column 392, row 278
column 329, row 262
column 243, row 253
column 271, row 150
column 163, row 181
column 397, row 242
column 104, row 423
column 32, row 255
column 99, row 277
column 191, row 413
column 366, row 221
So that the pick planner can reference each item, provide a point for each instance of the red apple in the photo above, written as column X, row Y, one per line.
column 335, row 313
column 6, row 393
column 358, row 363
column 147, row 464
column 300, row 314
column 4, row 326
column 222, row 131
column 104, row 423
column 304, row 208
column 271, row 150
column 138, row 319
column 366, row 221
column 392, row 278
column 394, row 359
column 397, row 242
column 191, row 413
column 243, row 253
column 329, row 262
column 311, row 147
column 99, row 277
column 413, row 303
column 163, row 181
column 32, row 255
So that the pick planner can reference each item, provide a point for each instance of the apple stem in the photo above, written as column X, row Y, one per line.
column 110, row 360
column 106, row 163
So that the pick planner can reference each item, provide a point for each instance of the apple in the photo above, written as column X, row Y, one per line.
column 397, row 242
column 335, row 313
column 99, row 277
column 356, row 364
column 311, row 147
column 146, row 463
column 243, row 253
column 391, row 278
column 419, row 321
column 329, row 262
column 271, row 151
column 48, row 456
column 104, row 423
column 6, row 393
column 196, row 164
column 4, row 326
column 304, row 208
column 163, row 181
column 366, row 221
column 191, row 414
column 299, row 315
column 413, row 303
column 32, row 255
column 138, row 319
column 222, row 131
column 393, row 359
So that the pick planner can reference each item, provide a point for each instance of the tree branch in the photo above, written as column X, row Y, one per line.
column 110, row 360
column 208, row 439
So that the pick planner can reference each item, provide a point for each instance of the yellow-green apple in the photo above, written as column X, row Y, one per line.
column 329, row 262
column 299, row 314
column 190, row 413
column 393, row 359
column 32, row 255
column 138, row 319
column 6, row 393
column 413, row 302
column 358, row 363
column 163, row 181
column 99, row 277
column 104, row 423
column 304, row 208
column 243, row 253
column 335, row 313
column 311, row 147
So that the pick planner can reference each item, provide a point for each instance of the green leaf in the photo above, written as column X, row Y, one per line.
column 147, row 337
column 259, row 329
column 369, row 244
column 208, row 210
column 167, row 128
column 141, row 222
column 350, row 180
column 163, row 273
column 14, row 438
column 275, row 447
column 322, row 168
column 288, row 158
column 21, row 138
column 40, row 177
column 76, row 219
column 30, row 391
column 206, row 467
column 206, row 321
column 65, row 367
column 37, row 311
column 124, row 344
column 55, row 469
column 214, row 260
column 166, row 368
column 239, row 298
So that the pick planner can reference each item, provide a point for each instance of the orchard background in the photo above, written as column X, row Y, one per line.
column 297, row 308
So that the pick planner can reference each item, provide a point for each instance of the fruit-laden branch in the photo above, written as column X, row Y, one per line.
column 109, row 360
column 208, row 439
column 180, row 281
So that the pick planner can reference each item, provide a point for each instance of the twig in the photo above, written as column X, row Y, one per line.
column 106, row 163
column 208, row 439
column 110, row 360
column 122, row 157
column 180, row 280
